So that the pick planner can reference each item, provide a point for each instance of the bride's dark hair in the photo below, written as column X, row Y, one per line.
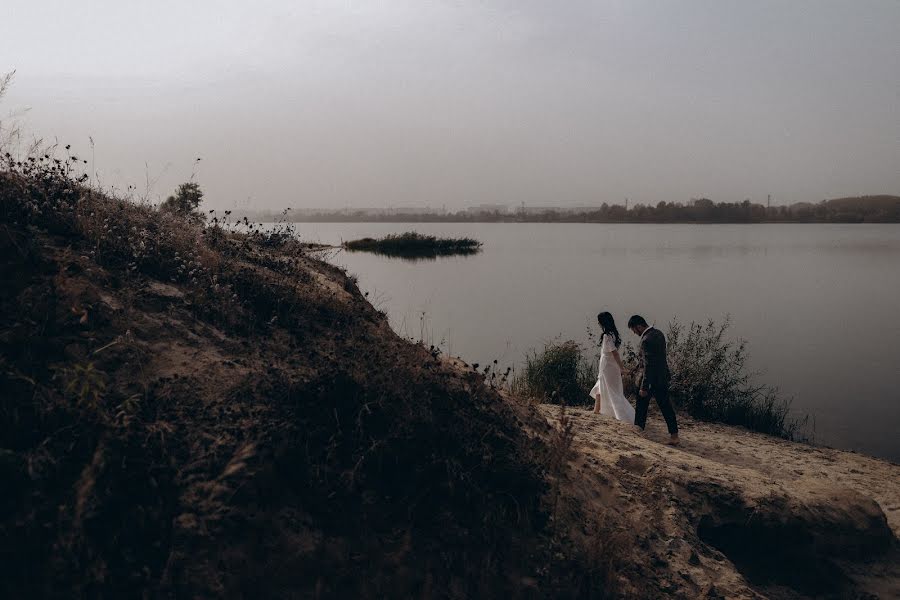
column 608, row 325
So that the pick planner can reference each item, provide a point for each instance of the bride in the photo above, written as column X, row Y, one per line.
column 609, row 399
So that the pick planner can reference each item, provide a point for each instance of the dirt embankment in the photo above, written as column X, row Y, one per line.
column 190, row 413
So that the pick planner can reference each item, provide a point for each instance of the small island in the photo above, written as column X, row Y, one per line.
column 412, row 245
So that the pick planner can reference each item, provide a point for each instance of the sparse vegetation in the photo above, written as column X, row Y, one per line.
column 9, row 128
column 414, row 245
column 85, row 384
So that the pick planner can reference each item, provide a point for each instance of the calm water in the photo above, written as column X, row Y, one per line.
column 817, row 303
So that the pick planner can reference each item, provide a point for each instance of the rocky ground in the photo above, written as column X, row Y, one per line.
column 735, row 514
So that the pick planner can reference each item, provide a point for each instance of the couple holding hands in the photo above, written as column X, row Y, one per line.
column 653, row 375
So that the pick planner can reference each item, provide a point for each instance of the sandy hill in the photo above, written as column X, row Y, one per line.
column 189, row 413
column 186, row 412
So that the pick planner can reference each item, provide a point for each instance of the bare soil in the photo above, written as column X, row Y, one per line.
column 736, row 514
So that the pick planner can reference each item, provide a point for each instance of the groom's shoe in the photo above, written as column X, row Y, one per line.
column 673, row 440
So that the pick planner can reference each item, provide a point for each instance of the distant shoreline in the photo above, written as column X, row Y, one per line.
column 702, row 211
column 569, row 222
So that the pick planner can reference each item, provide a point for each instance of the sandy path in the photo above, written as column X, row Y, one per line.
column 721, row 474
column 730, row 451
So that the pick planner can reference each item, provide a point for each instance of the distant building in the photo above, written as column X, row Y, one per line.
column 488, row 208
column 537, row 210
column 410, row 210
column 578, row 209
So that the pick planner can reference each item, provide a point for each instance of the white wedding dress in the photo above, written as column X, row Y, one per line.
column 609, row 385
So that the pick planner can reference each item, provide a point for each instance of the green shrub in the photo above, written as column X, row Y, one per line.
column 711, row 381
column 185, row 202
column 414, row 245
column 560, row 373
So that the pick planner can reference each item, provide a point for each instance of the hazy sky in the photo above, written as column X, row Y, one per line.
column 378, row 103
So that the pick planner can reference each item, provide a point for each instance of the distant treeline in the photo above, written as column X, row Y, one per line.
column 864, row 209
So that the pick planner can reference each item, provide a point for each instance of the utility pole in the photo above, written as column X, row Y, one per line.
column 769, row 202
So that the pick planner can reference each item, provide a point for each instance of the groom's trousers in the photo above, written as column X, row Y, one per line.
column 662, row 400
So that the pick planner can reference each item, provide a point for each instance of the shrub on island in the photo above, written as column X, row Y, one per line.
column 415, row 245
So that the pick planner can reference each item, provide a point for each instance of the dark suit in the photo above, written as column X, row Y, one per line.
column 654, row 379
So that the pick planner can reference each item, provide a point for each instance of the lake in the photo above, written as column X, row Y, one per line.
column 818, row 304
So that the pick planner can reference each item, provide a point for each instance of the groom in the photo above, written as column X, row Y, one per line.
column 654, row 376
